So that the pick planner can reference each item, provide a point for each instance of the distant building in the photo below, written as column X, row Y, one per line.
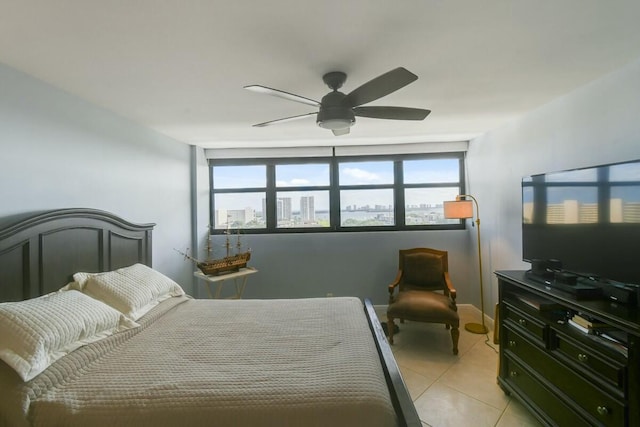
column 283, row 205
column 307, row 209
column 284, row 208
column 234, row 217
column 221, row 218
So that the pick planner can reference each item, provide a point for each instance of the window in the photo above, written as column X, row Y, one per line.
column 366, row 193
column 302, row 195
column 335, row 194
column 240, row 192
column 429, row 182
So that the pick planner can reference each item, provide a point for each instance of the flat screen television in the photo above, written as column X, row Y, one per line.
column 588, row 219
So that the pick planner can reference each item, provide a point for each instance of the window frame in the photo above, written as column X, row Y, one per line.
column 398, row 188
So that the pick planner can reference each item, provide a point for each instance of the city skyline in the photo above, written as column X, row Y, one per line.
column 308, row 216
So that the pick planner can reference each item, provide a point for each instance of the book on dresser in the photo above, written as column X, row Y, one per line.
column 587, row 321
column 537, row 303
column 578, row 326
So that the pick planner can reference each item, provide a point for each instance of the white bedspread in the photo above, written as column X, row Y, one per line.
column 308, row 362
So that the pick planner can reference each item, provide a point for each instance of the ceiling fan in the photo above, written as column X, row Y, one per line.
column 338, row 111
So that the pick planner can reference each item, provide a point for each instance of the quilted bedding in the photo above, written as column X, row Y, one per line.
column 306, row 362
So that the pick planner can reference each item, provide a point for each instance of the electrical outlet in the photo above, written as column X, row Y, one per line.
column 329, row 294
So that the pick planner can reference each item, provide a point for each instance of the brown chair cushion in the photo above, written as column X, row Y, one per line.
column 423, row 269
column 423, row 306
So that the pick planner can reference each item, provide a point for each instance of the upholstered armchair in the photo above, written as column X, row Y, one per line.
column 423, row 292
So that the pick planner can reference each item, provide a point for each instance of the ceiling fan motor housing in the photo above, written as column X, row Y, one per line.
column 333, row 113
column 334, row 79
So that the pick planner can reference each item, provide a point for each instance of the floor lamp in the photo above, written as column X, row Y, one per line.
column 463, row 209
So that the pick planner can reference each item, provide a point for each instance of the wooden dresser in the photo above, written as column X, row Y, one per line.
column 565, row 376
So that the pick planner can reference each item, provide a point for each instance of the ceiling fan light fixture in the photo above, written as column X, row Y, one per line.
column 333, row 115
column 335, row 124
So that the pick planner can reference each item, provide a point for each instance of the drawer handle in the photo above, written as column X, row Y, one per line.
column 583, row 358
column 522, row 322
column 602, row 410
column 514, row 374
column 512, row 343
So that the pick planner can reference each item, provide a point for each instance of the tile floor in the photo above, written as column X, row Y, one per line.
column 450, row 390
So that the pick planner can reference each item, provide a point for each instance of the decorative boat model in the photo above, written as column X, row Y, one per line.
column 228, row 264
column 214, row 267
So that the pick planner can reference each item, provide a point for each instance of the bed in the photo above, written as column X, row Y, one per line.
column 178, row 360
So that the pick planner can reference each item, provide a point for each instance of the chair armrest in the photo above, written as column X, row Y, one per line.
column 450, row 288
column 395, row 283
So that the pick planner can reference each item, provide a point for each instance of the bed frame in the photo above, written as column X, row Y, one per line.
column 40, row 252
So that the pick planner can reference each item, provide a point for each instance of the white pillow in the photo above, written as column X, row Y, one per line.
column 35, row 333
column 131, row 290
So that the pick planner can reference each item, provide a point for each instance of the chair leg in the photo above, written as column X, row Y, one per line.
column 455, row 334
column 390, row 327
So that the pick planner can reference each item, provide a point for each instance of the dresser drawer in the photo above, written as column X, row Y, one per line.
column 593, row 362
column 600, row 405
column 524, row 348
column 535, row 328
column 538, row 396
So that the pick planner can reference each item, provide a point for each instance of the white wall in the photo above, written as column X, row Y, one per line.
column 597, row 124
column 200, row 213
column 57, row 151
column 360, row 264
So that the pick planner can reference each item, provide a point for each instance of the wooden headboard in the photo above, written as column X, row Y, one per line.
column 40, row 252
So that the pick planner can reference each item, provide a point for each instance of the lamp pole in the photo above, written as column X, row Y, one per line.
column 475, row 327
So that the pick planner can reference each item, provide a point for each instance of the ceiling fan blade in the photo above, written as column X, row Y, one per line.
column 286, row 119
column 282, row 94
column 392, row 113
column 380, row 86
column 338, row 132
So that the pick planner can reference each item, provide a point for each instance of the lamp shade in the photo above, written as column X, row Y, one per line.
column 460, row 209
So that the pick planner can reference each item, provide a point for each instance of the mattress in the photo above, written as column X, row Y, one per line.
column 303, row 362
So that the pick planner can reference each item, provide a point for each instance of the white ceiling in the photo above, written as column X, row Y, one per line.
column 179, row 66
